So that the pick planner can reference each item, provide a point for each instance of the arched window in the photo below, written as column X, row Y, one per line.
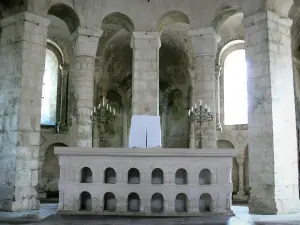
column 49, row 91
column 235, row 88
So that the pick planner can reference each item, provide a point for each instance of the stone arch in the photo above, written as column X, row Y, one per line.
column 225, row 53
column 53, row 46
column 109, row 176
column 181, row 177
column 110, row 202
column 85, row 201
column 223, row 12
column 86, row 175
column 51, row 107
column 205, row 177
column 133, row 176
column 205, row 203
column 221, row 143
column 181, row 203
column 50, row 171
column 118, row 19
column 172, row 17
column 157, row 203
column 133, row 202
column 157, row 176
column 229, row 47
column 65, row 13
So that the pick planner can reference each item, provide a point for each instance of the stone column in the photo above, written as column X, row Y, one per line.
column 272, row 139
column 125, row 125
column 241, row 161
column 145, row 79
column 241, row 191
column 164, row 125
column 85, row 47
column 22, row 64
column 64, row 96
column 218, row 111
column 204, row 42
column 192, row 134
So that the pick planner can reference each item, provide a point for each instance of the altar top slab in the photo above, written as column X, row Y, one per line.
column 145, row 152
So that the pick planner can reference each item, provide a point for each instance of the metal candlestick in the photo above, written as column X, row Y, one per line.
column 99, row 115
column 199, row 115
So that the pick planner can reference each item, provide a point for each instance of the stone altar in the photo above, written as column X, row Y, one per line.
column 144, row 181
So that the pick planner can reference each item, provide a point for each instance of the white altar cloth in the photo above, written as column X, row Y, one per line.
column 145, row 132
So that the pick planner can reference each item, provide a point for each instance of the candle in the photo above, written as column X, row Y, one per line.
column 91, row 112
column 189, row 112
column 99, row 106
column 200, row 102
column 208, row 110
column 195, row 106
column 114, row 112
column 94, row 109
column 110, row 108
column 103, row 101
column 192, row 109
column 205, row 106
column 107, row 106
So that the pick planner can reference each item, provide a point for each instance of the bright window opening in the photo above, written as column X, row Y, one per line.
column 235, row 89
column 49, row 93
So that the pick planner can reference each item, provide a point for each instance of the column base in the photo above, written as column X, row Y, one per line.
column 266, row 204
column 9, row 206
column 240, row 197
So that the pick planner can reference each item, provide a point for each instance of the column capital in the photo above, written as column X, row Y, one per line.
column 145, row 35
column 86, row 41
column 240, row 160
column 26, row 17
column 204, row 41
column 267, row 15
column 65, row 69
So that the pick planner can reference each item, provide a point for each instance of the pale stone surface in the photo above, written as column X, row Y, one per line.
column 145, row 78
column 85, row 47
column 272, row 150
column 217, row 183
column 204, row 43
column 168, row 22
column 20, row 96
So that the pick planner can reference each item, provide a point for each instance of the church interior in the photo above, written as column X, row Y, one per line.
column 73, row 73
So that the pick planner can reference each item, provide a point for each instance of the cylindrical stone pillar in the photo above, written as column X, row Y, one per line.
column 145, row 79
column 204, row 42
column 218, row 105
column 85, row 47
column 241, row 161
column 125, row 125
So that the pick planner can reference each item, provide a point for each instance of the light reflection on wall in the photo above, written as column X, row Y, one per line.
column 49, row 93
column 235, row 89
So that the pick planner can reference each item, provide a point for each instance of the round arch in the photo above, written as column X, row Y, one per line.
column 118, row 19
column 66, row 14
column 170, row 18
column 231, row 47
column 223, row 12
column 49, row 173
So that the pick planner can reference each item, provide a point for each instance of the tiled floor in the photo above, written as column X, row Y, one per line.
column 46, row 216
